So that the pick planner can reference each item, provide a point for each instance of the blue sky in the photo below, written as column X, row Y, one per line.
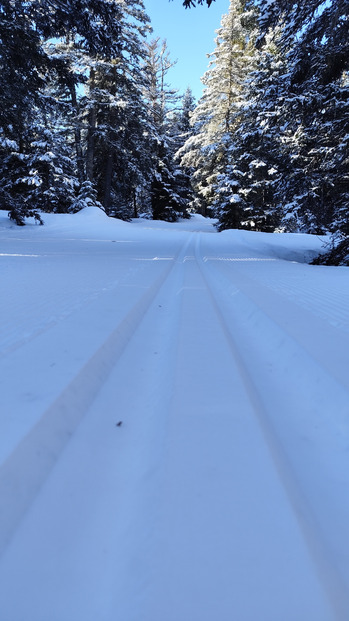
column 190, row 35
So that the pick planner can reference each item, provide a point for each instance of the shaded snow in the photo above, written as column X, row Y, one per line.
column 174, row 429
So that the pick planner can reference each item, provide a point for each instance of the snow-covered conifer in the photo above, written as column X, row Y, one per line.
column 167, row 201
column 216, row 116
column 252, row 183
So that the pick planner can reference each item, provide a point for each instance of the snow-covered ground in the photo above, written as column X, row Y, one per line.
column 174, row 430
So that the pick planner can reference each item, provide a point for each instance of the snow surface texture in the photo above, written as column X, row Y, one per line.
column 174, row 431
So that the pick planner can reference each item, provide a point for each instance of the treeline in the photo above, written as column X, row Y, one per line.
column 271, row 133
column 86, row 114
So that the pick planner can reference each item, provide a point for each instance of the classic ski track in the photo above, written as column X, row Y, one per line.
column 250, row 288
column 32, row 325
column 29, row 466
column 165, row 296
column 330, row 305
column 332, row 581
column 30, row 463
column 11, row 342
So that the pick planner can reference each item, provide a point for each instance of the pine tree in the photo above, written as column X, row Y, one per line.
column 181, row 130
column 285, row 162
column 167, row 203
column 69, row 69
column 110, row 120
column 44, row 85
column 197, row 155
column 117, row 152
column 122, row 163
column 315, row 38
column 87, row 197
column 250, row 190
column 217, row 113
column 22, row 66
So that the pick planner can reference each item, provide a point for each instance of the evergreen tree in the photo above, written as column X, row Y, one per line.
column 51, row 181
column 197, row 155
column 117, row 152
column 122, row 162
column 22, row 67
column 282, row 161
column 87, row 197
column 217, row 113
column 315, row 38
column 250, row 190
column 44, row 85
column 167, row 203
column 69, row 70
column 181, row 130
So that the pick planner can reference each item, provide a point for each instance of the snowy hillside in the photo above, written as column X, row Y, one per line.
column 174, row 426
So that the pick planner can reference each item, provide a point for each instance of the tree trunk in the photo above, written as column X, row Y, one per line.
column 92, row 122
column 107, row 182
column 135, row 210
column 77, row 137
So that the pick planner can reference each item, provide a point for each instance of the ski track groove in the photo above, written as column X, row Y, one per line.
column 31, row 463
column 250, row 288
column 152, row 431
column 324, row 303
column 25, row 471
column 333, row 583
column 302, row 286
column 38, row 307
column 145, row 415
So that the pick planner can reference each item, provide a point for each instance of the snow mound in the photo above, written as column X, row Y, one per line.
column 91, row 212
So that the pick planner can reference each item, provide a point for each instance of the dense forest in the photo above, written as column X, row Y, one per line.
column 87, row 115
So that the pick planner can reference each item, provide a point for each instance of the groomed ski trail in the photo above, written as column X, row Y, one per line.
column 167, row 480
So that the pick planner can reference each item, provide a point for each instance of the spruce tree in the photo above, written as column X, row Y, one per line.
column 180, row 131
column 52, row 123
column 252, row 184
column 167, row 203
column 115, row 116
column 217, row 114
column 315, row 38
column 22, row 67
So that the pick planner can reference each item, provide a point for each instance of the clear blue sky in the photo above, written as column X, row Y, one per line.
column 190, row 35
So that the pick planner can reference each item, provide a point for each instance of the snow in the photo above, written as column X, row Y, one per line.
column 223, row 493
